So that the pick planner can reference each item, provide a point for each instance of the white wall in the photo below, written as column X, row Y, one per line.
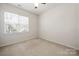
column 59, row 25
column 6, row 39
column 77, row 11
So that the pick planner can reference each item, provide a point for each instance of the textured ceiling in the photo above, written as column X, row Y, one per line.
column 30, row 7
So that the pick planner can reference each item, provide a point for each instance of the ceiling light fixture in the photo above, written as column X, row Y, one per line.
column 36, row 5
column 35, row 2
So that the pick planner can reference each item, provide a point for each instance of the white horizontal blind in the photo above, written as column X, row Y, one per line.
column 15, row 23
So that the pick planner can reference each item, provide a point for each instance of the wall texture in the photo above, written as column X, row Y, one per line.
column 77, row 11
column 10, row 38
column 59, row 25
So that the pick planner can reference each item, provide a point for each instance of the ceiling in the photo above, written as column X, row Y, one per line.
column 41, row 7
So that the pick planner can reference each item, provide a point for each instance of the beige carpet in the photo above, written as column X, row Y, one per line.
column 36, row 47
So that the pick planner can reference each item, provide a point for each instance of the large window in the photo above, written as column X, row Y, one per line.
column 15, row 23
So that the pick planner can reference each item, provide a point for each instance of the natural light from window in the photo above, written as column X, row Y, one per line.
column 15, row 23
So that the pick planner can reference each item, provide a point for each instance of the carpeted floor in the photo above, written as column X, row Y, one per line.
column 36, row 47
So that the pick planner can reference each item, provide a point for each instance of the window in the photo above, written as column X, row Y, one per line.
column 15, row 23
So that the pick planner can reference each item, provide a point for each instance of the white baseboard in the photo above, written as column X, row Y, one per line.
column 60, row 44
column 18, row 41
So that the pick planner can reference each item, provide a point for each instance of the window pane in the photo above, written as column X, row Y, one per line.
column 15, row 23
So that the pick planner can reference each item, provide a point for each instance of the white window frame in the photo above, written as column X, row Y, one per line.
column 27, row 25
